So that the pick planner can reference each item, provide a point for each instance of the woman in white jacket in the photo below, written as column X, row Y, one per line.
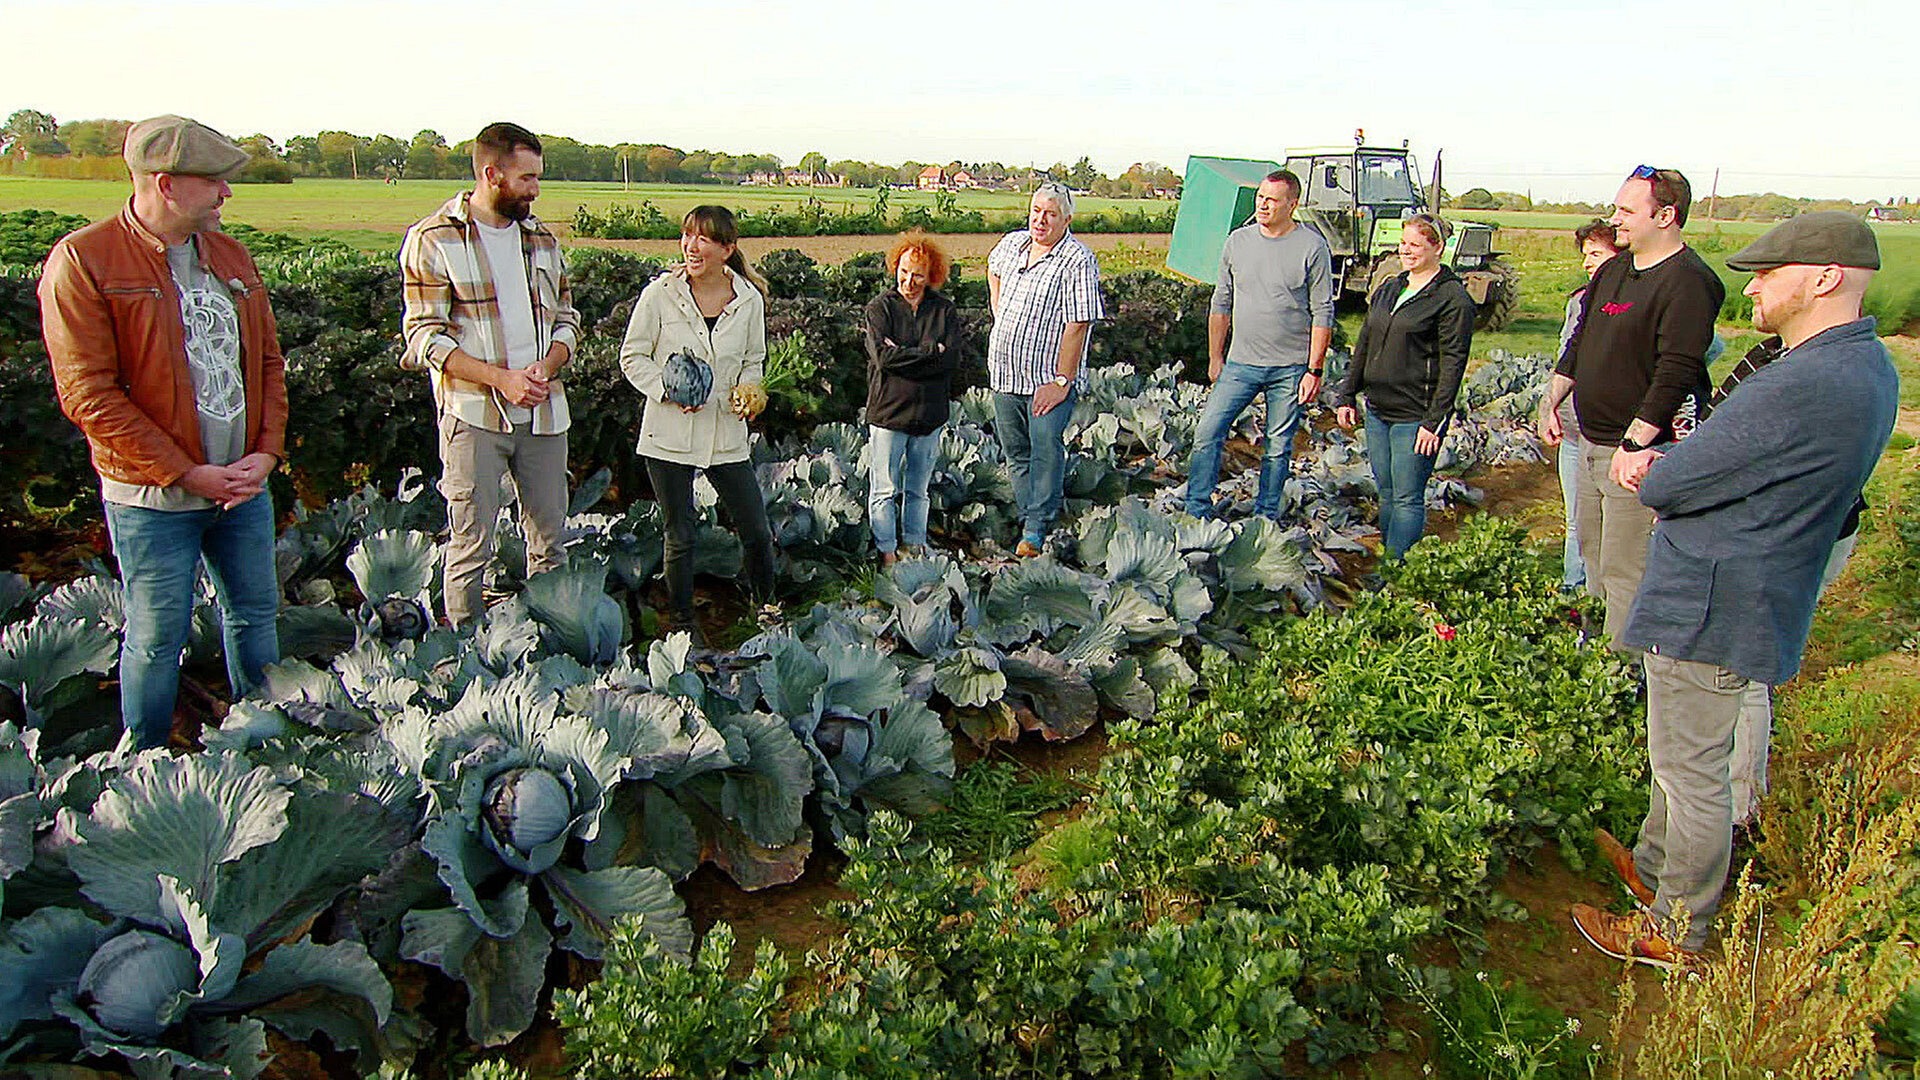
column 712, row 306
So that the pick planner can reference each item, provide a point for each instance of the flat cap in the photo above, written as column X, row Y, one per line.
column 175, row 144
column 1821, row 238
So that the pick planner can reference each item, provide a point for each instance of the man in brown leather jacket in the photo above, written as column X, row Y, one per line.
column 166, row 356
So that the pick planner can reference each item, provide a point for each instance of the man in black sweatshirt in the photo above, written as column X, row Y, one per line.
column 1638, row 375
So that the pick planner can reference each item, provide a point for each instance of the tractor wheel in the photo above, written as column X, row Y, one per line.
column 1503, row 297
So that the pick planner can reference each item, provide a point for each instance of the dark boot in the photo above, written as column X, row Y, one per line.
column 683, row 622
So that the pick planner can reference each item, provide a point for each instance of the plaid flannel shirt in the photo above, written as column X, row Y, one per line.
column 1036, row 304
column 452, row 304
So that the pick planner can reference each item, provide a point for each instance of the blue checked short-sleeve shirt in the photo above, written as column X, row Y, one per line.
column 1036, row 304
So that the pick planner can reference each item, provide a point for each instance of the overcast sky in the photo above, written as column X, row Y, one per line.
column 1556, row 98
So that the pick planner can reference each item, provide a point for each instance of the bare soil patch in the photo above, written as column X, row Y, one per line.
column 793, row 917
column 1527, row 493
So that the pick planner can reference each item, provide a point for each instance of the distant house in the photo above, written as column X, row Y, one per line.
column 932, row 178
column 820, row 178
column 1885, row 213
column 765, row 178
column 964, row 179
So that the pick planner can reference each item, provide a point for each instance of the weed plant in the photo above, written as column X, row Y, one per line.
column 1495, row 1029
column 1803, row 1001
column 994, row 811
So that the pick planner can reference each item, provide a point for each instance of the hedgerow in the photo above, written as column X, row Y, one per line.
column 360, row 418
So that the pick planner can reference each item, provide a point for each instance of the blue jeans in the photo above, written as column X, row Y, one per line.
column 1573, row 569
column 1230, row 397
column 1401, row 475
column 160, row 554
column 1036, row 455
column 899, row 467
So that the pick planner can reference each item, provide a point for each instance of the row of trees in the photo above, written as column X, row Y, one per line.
column 30, row 133
column 1766, row 207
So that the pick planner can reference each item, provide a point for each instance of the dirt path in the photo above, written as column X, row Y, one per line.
column 1528, row 494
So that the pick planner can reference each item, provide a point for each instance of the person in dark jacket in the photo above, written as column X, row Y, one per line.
column 1409, row 362
column 913, row 347
column 1750, row 735
column 1596, row 243
column 1749, row 507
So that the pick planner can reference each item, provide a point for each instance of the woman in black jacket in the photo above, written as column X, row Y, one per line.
column 913, row 347
column 1409, row 361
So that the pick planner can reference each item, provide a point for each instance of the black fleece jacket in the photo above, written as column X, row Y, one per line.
column 1410, row 361
column 911, row 358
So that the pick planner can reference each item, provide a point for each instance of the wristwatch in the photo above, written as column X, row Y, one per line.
column 1630, row 446
column 1062, row 381
column 1316, row 372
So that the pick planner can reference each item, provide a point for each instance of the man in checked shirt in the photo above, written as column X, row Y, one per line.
column 490, row 315
column 1045, row 288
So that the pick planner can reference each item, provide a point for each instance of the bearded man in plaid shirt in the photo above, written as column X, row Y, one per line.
column 490, row 315
column 1045, row 288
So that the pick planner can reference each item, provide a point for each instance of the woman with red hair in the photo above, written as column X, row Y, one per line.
column 913, row 348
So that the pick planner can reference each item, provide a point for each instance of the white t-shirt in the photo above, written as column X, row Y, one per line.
column 509, row 265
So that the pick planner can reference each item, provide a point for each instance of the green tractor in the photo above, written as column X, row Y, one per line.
column 1357, row 198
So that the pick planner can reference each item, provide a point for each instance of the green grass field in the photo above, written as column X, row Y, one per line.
column 1541, row 247
column 369, row 213
column 1696, row 228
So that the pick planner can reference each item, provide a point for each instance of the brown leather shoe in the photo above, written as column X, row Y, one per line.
column 1621, row 860
column 1027, row 550
column 1630, row 937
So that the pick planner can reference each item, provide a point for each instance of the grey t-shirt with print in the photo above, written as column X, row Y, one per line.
column 212, row 334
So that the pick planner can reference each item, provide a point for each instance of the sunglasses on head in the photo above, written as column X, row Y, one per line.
column 1644, row 172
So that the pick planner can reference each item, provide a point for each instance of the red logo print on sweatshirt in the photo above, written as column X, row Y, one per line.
column 1615, row 307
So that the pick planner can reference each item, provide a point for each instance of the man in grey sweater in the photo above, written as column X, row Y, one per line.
column 1267, row 333
column 1749, row 507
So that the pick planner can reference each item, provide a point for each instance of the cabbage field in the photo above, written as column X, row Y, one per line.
column 435, row 853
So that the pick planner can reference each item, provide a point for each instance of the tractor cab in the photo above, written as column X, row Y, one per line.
column 1357, row 197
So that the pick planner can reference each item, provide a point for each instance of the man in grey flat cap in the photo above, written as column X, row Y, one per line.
column 165, row 354
column 1749, row 508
